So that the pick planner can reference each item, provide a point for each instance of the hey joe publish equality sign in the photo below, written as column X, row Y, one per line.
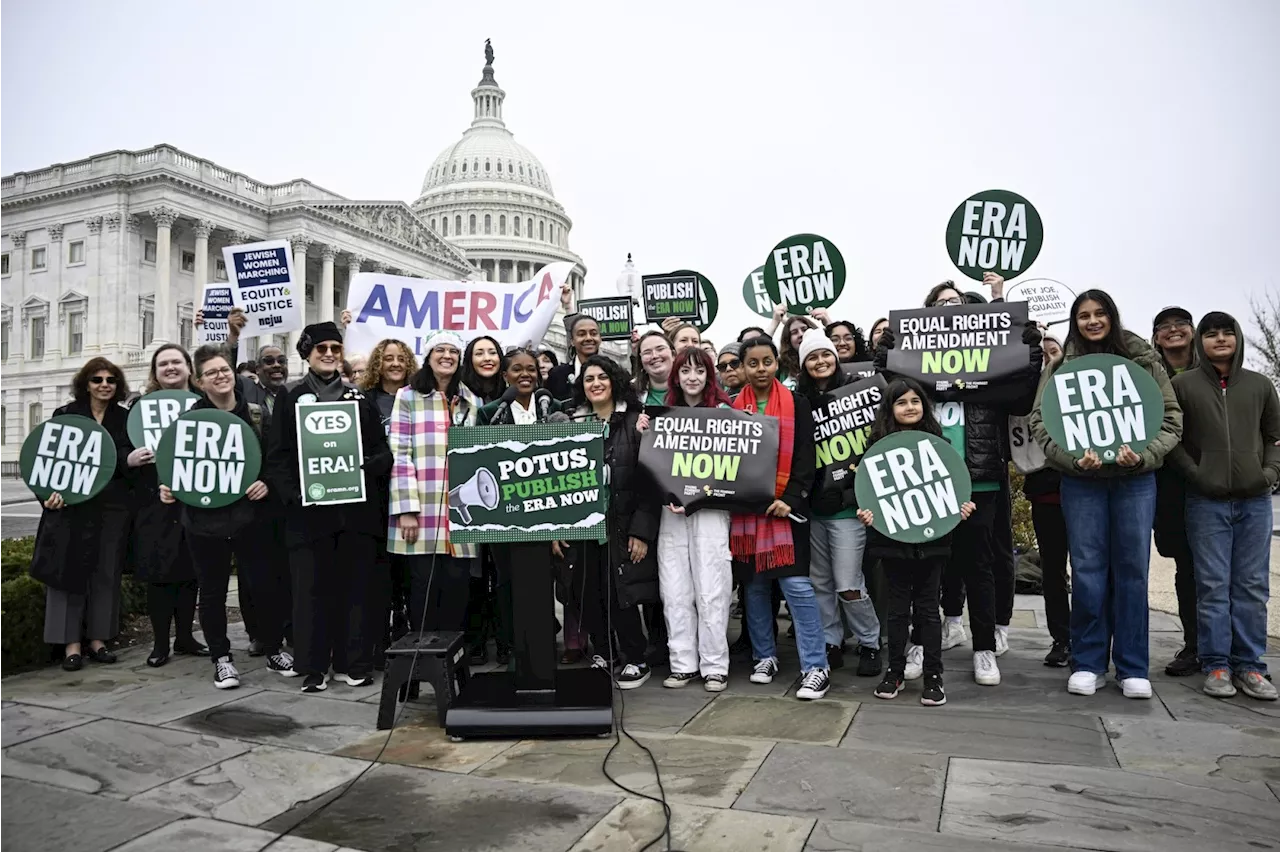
column 613, row 315
column 674, row 295
column 914, row 484
column 1102, row 402
column 69, row 454
column 1048, row 301
column 329, row 452
column 208, row 458
column 153, row 413
column 262, row 278
column 842, row 428
column 804, row 271
column 960, row 348
column 542, row 482
column 711, row 458
column 994, row 231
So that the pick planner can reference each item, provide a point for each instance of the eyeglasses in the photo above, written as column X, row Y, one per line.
column 954, row 300
column 97, row 380
column 213, row 374
column 329, row 348
column 1171, row 325
column 726, row 366
column 841, row 338
column 272, row 360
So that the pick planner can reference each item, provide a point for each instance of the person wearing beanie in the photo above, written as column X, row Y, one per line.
column 584, row 341
column 1173, row 336
column 332, row 547
column 729, row 366
column 1229, row 458
column 837, row 537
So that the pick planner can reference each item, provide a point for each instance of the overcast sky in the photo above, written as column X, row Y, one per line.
column 697, row 135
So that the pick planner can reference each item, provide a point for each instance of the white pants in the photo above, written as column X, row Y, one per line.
column 696, row 582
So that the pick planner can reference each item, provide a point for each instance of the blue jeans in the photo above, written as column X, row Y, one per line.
column 835, row 569
column 1231, row 549
column 1109, row 537
column 803, row 606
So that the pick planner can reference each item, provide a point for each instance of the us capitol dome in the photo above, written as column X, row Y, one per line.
column 491, row 197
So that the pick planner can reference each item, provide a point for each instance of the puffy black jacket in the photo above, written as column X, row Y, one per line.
column 632, row 512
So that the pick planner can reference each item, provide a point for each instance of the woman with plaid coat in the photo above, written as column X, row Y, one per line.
column 439, row 570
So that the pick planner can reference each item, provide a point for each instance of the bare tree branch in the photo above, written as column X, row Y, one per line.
column 1265, row 345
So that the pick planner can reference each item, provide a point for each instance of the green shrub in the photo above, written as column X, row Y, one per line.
column 15, row 556
column 1024, row 532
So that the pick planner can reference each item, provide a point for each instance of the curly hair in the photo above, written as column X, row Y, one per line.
column 153, row 384
column 788, row 355
column 713, row 396
column 618, row 379
column 373, row 369
column 80, row 384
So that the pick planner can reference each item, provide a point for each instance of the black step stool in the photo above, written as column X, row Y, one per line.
column 434, row 656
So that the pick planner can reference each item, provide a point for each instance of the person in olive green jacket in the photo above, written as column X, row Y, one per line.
column 1231, row 463
column 1109, row 509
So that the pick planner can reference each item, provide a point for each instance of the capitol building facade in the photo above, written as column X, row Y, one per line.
column 109, row 255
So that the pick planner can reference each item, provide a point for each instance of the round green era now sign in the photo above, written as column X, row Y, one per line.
column 155, row 412
column 804, row 272
column 68, row 454
column 208, row 458
column 1101, row 403
column 914, row 484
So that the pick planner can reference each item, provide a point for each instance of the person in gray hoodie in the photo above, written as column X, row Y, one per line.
column 1231, row 462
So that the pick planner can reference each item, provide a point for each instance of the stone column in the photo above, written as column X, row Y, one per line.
column 353, row 269
column 203, row 228
column 55, row 333
column 164, row 305
column 379, row 266
column 18, row 329
column 300, row 245
column 93, row 249
column 325, row 297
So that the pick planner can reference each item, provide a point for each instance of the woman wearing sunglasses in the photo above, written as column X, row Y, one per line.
column 729, row 366
column 331, row 547
column 79, row 550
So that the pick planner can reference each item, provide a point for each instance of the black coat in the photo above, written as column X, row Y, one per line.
column 66, row 548
column 244, row 514
column 304, row 524
column 632, row 512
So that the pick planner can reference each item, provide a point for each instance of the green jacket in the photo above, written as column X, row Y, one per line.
column 1146, row 356
column 1228, row 449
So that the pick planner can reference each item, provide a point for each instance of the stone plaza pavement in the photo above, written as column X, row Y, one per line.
column 134, row 759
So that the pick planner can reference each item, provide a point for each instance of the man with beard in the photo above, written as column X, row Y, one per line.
column 1173, row 335
column 584, row 338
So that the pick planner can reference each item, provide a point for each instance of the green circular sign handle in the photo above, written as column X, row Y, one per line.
column 755, row 294
column 69, row 454
column 208, row 458
column 994, row 231
column 914, row 483
column 804, row 271
column 1102, row 402
column 710, row 300
column 151, row 415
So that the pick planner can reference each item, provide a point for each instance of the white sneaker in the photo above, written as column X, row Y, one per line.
column 952, row 634
column 915, row 663
column 814, row 685
column 1085, row 683
column 765, row 670
column 1002, row 640
column 985, row 670
column 1135, row 687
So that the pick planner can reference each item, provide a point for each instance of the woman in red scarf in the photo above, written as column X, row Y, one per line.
column 774, row 545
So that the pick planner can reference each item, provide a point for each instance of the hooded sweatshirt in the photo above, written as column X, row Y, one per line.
column 1230, row 428
column 1147, row 357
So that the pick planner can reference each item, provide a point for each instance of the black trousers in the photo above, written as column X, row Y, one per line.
column 1051, row 536
column 912, row 589
column 1184, row 583
column 971, row 571
column 333, row 622
column 1003, row 568
column 439, row 587
column 488, row 613
column 593, row 583
column 259, row 557
column 169, row 603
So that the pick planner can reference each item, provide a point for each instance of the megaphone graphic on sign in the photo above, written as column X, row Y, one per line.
column 480, row 490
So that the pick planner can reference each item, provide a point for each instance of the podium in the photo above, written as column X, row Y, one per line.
column 536, row 700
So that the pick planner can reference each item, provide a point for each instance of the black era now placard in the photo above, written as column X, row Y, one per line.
column 674, row 295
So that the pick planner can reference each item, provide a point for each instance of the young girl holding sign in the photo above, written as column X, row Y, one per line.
column 694, row 575
column 912, row 571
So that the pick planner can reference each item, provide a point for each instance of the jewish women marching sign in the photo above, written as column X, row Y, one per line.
column 914, row 484
column 69, row 454
column 153, row 413
column 208, row 458
column 674, row 295
column 711, row 458
column 329, row 452
column 410, row 309
column 804, row 272
column 1048, row 301
column 263, row 283
column 1101, row 403
column 962, row 349
column 994, row 231
column 542, row 482
column 612, row 314
column 842, row 429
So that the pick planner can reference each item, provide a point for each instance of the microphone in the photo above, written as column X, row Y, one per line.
column 558, row 417
column 508, row 397
column 543, row 397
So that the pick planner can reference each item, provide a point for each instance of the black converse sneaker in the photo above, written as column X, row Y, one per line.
column 765, row 670
column 225, row 675
column 315, row 683
column 679, row 680
column 890, row 686
column 933, row 695
column 814, row 685
column 281, row 662
column 633, row 675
